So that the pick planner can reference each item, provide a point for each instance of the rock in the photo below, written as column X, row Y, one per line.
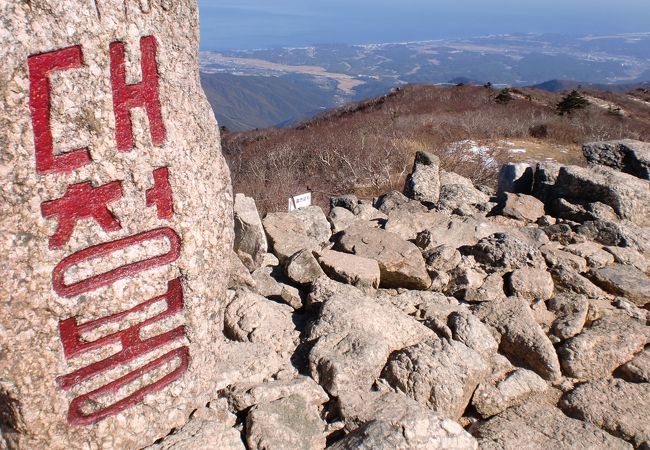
column 521, row 337
column 556, row 258
column 442, row 258
column 115, row 196
column 539, row 425
column 600, row 349
column 632, row 310
column 621, row 408
column 422, row 305
column 569, row 281
column 626, row 194
column 455, row 196
column 439, row 374
column 545, row 176
column 369, row 213
column 350, row 269
column 396, row 200
column 341, row 218
column 468, row 330
column 584, row 212
column 561, row 233
column 265, row 284
column 531, row 284
column 354, row 336
column 242, row 396
column 523, row 207
column 637, row 370
column 517, row 388
column 571, row 312
column 270, row 260
column 454, row 178
column 411, row 431
column 491, row 289
column 286, row 423
column 348, row 202
column 303, row 268
column 250, row 238
column 603, row 232
column 630, row 257
column 252, row 318
column 291, row 296
column 628, row 156
column 423, row 183
column 515, row 178
column 505, row 252
column 202, row 434
column 240, row 277
column 626, row 281
column 400, row 262
column 303, row 229
column 407, row 224
column 593, row 253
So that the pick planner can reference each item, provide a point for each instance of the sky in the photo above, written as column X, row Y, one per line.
column 248, row 24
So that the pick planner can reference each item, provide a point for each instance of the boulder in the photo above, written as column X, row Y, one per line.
column 115, row 224
column 423, row 183
column 539, row 425
column 609, row 343
column 457, row 196
column 626, row 194
column 503, row 251
column 625, row 281
column 400, row 262
column 286, row 423
column 350, row 269
column 396, row 200
column 411, row 431
column 253, row 318
column 240, row 277
column 616, row 406
column 517, row 388
column 593, row 253
column 557, row 258
column 442, row 258
column 250, row 238
column 354, row 335
column 630, row 257
column 348, row 202
column 521, row 337
column 544, row 179
column 637, row 370
column 303, row 268
column 522, row 207
column 303, row 229
column 198, row 434
column 340, row 218
column 469, row 330
column 241, row 396
column 265, row 283
column 571, row 315
column 569, row 281
column 516, row 178
column 531, row 284
column 408, row 225
column 439, row 374
column 627, row 155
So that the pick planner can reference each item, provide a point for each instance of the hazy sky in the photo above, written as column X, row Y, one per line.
column 227, row 24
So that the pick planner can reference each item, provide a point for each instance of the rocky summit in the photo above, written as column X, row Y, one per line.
column 142, row 306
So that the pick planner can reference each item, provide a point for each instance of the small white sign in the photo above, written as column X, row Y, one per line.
column 300, row 201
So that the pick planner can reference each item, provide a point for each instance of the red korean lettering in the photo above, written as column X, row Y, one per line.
column 129, row 96
column 132, row 347
column 129, row 270
column 160, row 195
column 40, row 105
column 82, row 201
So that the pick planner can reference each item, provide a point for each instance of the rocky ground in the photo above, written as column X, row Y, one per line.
column 447, row 317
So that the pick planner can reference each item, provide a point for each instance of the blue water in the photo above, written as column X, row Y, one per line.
column 246, row 24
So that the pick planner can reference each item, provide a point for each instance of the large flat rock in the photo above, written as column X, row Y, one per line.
column 115, row 223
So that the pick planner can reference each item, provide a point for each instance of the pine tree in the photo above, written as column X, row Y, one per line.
column 504, row 96
column 571, row 102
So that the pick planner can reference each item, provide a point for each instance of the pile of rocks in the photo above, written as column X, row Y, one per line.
column 446, row 317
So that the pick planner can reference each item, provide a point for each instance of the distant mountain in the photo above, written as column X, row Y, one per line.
column 277, row 87
column 568, row 85
column 249, row 102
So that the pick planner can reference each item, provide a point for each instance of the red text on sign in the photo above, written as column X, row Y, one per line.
column 40, row 105
column 129, row 96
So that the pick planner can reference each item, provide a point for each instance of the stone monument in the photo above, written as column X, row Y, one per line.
column 115, row 223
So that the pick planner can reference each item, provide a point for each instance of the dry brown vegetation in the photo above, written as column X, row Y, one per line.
column 367, row 148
